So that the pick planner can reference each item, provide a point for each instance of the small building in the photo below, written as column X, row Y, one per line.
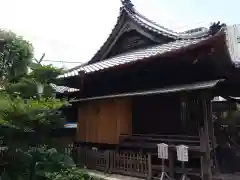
column 148, row 85
column 66, row 136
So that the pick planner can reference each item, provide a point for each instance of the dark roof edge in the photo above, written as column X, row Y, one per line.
column 165, row 90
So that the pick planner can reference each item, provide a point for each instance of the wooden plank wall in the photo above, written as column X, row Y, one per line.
column 103, row 121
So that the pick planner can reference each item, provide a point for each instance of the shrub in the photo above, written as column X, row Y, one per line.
column 69, row 174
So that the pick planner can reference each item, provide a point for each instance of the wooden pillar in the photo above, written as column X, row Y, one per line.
column 212, row 138
column 183, row 115
column 149, row 177
column 205, row 140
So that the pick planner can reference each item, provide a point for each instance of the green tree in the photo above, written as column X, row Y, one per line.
column 15, row 57
column 26, row 118
column 22, row 117
column 26, row 86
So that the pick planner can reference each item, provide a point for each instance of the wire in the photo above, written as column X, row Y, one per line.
column 63, row 61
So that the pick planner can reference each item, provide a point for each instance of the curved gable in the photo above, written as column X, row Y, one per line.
column 128, row 30
column 149, row 33
column 129, row 41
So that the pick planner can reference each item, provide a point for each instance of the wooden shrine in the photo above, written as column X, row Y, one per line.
column 149, row 85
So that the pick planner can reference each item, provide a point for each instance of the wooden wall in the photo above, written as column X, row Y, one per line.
column 103, row 121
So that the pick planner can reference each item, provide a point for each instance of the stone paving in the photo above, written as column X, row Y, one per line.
column 101, row 175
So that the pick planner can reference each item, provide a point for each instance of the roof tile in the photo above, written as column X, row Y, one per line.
column 136, row 55
column 62, row 89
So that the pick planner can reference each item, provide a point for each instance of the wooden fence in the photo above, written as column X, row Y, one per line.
column 131, row 163
column 112, row 161
column 134, row 163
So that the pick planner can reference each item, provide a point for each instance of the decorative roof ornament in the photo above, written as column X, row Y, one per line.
column 127, row 4
column 215, row 27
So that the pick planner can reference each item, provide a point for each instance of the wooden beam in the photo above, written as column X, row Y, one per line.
column 205, row 142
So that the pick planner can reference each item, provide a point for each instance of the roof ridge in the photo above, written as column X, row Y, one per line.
column 162, row 28
column 127, row 4
column 129, row 7
column 178, row 35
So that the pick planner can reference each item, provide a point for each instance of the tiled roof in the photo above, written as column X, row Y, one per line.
column 134, row 56
column 70, row 125
column 145, row 23
column 179, row 40
column 218, row 99
column 151, row 25
column 62, row 89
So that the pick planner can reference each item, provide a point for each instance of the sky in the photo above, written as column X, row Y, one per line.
column 73, row 30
